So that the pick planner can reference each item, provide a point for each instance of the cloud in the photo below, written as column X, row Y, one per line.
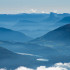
column 3, row 69
column 51, row 68
column 41, row 11
column 55, row 11
column 57, row 66
column 33, row 10
column 42, row 59
column 23, row 68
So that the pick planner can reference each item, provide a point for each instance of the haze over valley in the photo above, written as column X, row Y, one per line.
column 35, row 41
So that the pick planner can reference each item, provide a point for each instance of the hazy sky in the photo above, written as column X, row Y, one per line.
column 34, row 6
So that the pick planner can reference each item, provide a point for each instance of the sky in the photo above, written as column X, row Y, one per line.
column 34, row 6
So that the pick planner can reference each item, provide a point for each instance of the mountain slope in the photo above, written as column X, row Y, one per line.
column 63, row 21
column 29, row 48
column 6, row 54
column 12, row 60
column 58, row 39
column 59, row 34
column 13, row 36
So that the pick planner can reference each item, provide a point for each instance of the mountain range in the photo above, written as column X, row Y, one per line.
column 51, row 44
column 58, row 39
column 34, row 25
column 12, row 36
column 12, row 60
column 52, row 18
column 53, row 41
column 61, row 34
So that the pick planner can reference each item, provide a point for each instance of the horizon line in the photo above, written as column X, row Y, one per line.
column 31, row 13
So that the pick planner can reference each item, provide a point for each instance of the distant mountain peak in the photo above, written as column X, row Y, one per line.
column 52, row 18
column 52, row 15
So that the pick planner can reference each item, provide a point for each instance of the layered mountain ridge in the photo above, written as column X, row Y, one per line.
column 13, row 36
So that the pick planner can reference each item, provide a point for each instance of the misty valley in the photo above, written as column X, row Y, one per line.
column 35, row 41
